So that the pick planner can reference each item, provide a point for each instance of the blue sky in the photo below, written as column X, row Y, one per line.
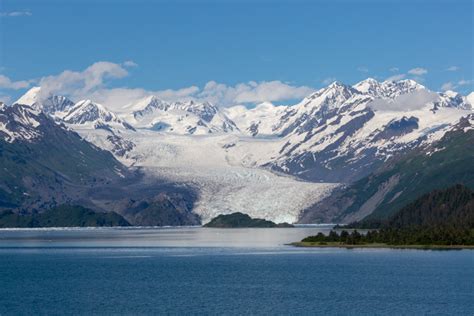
column 184, row 44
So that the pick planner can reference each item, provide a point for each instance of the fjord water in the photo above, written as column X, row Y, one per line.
column 222, row 271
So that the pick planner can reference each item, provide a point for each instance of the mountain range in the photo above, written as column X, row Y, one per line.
column 341, row 144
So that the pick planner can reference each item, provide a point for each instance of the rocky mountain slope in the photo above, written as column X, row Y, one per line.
column 340, row 133
column 268, row 161
column 452, row 207
column 45, row 164
column 403, row 179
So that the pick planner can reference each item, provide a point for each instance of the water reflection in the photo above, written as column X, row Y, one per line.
column 157, row 237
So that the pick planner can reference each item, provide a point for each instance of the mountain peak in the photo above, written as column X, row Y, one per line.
column 49, row 105
column 336, row 84
column 88, row 111
column 388, row 89
column 405, row 83
column 369, row 86
column 30, row 97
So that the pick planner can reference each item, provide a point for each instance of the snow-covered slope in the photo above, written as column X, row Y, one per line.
column 246, row 159
column 87, row 116
column 177, row 117
column 339, row 133
column 225, row 185
column 48, row 104
column 387, row 89
column 262, row 120
column 19, row 123
column 470, row 99
column 86, row 112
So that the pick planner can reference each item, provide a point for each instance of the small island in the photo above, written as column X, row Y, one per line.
column 241, row 220
column 441, row 219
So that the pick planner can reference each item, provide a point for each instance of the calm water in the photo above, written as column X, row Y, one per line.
column 214, row 271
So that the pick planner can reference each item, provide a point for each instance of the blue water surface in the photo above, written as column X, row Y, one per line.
column 200, row 271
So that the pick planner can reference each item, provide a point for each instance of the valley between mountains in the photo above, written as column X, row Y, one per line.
column 341, row 154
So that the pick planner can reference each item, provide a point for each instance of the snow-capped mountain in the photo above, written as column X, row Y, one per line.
column 88, row 112
column 402, row 180
column 262, row 120
column 341, row 133
column 178, row 117
column 337, row 134
column 470, row 98
column 387, row 89
column 451, row 99
column 20, row 123
column 49, row 104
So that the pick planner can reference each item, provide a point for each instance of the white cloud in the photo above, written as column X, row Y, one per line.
column 363, row 69
column 118, row 97
column 396, row 77
column 448, row 86
column 81, row 83
column 418, row 71
column 130, row 63
column 464, row 82
column 251, row 92
column 7, row 83
column 452, row 68
column 394, row 69
column 15, row 14
column 176, row 95
column 91, row 83
column 452, row 86
column 328, row 80
column 214, row 92
column 4, row 98
column 405, row 102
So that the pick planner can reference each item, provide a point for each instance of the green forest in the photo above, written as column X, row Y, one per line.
column 441, row 217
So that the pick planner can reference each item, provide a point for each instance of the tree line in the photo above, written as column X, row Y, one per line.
column 441, row 217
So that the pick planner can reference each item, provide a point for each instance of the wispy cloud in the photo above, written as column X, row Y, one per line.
column 453, row 85
column 130, row 63
column 93, row 83
column 416, row 74
column 79, row 83
column 464, row 82
column 217, row 93
column 5, row 98
column 328, row 80
column 363, row 69
column 452, row 68
column 418, row 71
column 410, row 101
column 252, row 92
column 15, row 14
column 447, row 86
column 396, row 77
column 7, row 83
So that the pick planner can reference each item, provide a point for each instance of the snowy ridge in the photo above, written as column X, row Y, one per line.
column 88, row 112
column 268, row 161
column 49, row 105
column 178, row 117
column 19, row 123
column 259, row 121
column 387, row 89
column 224, row 184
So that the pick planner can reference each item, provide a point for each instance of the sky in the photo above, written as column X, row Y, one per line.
column 230, row 52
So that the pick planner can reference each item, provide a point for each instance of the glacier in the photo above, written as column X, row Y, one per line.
column 269, row 161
